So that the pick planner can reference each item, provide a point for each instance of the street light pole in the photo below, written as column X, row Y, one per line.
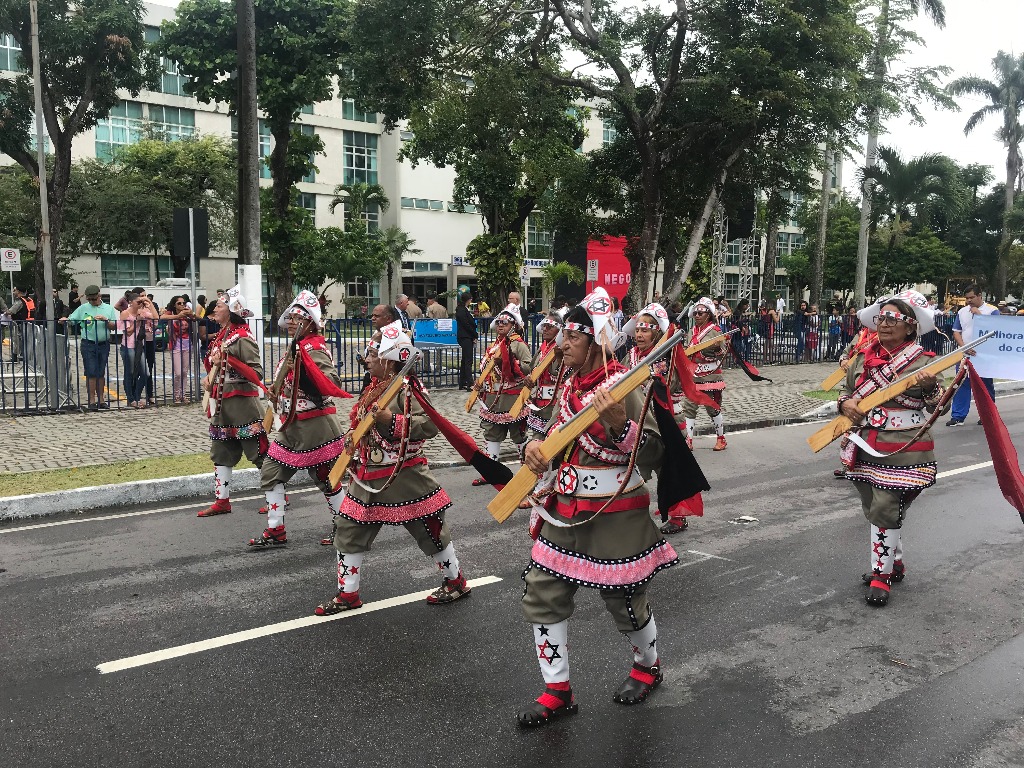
column 44, row 231
column 250, row 276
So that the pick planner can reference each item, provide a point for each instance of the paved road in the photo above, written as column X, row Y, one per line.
column 772, row 656
column 75, row 439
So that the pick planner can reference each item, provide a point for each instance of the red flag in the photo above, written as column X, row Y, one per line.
column 686, row 371
column 1004, row 455
column 321, row 384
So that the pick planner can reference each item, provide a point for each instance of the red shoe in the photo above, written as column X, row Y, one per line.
column 263, row 509
column 478, row 482
column 270, row 538
column 219, row 507
column 720, row 444
column 449, row 591
column 343, row 601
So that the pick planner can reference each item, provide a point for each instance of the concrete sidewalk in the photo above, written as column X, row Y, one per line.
column 77, row 440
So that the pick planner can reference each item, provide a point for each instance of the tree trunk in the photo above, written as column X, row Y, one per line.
column 818, row 265
column 771, row 250
column 281, row 192
column 641, row 259
column 669, row 254
column 1005, row 242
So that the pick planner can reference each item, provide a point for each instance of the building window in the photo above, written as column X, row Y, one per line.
column 422, row 204
column 306, row 110
column 362, row 293
column 171, row 80
column 309, row 178
column 124, row 269
column 266, row 147
column 538, row 239
column 428, row 266
column 9, row 53
column 350, row 111
column 464, row 208
column 119, row 129
column 608, row 132
column 307, row 200
column 172, row 123
column 359, row 159
column 731, row 287
column 788, row 242
column 371, row 215
column 732, row 253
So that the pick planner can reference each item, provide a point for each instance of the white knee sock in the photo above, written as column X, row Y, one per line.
column 448, row 562
column 493, row 449
column 349, row 571
column 275, row 506
column 644, row 642
column 690, row 423
column 883, row 549
column 719, row 423
column 221, row 480
column 334, row 501
column 898, row 549
column 551, row 644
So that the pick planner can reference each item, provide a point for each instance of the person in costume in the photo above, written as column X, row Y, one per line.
column 542, row 398
column 857, row 345
column 891, row 458
column 310, row 436
column 594, row 529
column 501, row 389
column 391, row 483
column 236, row 420
column 709, row 378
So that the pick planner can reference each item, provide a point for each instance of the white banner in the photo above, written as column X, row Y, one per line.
column 1002, row 356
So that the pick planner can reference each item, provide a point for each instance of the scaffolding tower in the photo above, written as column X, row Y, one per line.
column 746, row 261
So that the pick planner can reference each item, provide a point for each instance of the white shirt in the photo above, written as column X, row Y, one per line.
column 780, row 305
column 965, row 320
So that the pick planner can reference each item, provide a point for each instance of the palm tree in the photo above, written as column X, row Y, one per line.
column 1006, row 98
column 398, row 244
column 356, row 198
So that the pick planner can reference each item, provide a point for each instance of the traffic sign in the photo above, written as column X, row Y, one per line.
column 592, row 269
column 10, row 260
column 524, row 275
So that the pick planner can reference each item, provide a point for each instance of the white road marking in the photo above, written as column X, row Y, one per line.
column 961, row 470
column 155, row 657
column 138, row 514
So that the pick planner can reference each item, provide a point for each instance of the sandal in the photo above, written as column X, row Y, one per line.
column 549, row 705
column 674, row 526
column 449, row 591
column 327, row 541
column 841, row 472
column 638, row 686
column 878, row 590
column 478, row 482
column 899, row 573
column 343, row 601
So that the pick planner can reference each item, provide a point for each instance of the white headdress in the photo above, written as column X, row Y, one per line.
column 653, row 310
column 395, row 343
column 705, row 302
column 925, row 316
column 511, row 311
column 307, row 305
column 236, row 302
column 599, row 306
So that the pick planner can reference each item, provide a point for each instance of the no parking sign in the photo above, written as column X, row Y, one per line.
column 10, row 260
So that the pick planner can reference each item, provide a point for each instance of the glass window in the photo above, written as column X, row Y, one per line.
column 467, row 208
column 307, row 200
column 171, row 80
column 309, row 130
column 359, row 159
column 350, row 111
column 123, row 126
column 539, row 240
column 306, row 110
column 731, row 288
column 608, row 132
column 9, row 53
column 437, row 205
column 732, row 253
column 371, row 215
column 266, row 147
column 408, row 202
column 406, row 135
column 172, row 123
column 422, row 204
column 124, row 269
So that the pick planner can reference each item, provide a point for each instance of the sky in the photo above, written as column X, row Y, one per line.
column 975, row 31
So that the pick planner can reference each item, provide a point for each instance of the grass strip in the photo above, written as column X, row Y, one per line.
column 19, row 483
column 820, row 394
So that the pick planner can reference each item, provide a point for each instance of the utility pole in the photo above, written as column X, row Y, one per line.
column 46, row 299
column 249, row 271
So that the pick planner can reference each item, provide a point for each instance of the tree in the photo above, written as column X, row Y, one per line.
column 889, row 94
column 1006, row 100
column 298, row 46
column 19, row 224
column 555, row 272
column 91, row 54
column 397, row 245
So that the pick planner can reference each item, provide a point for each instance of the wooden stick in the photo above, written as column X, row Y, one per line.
column 841, row 424
column 484, row 373
column 211, row 377
column 531, row 382
column 836, row 376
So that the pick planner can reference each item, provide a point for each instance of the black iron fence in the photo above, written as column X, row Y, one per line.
column 165, row 367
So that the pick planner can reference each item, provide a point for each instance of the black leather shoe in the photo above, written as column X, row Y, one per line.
column 638, row 686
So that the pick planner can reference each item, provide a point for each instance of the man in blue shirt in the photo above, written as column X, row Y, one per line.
column 963, row 333
column 96, row 318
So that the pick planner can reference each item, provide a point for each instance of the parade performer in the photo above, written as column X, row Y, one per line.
column 542, row 399
column 236, row 416
column 595, row 530
column 864, row 339
column 709, row 378
column 892, row 459
column 499, row 392
column 311, row 436
column 391, row 483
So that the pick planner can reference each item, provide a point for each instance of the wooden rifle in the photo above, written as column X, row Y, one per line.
column 695, row 348
column 484, row 373
column 839, row 374
column 275, row 390
column 531, row 382
column 507, row 501
column 207, row 400
column 840, row 425
column 366, row 423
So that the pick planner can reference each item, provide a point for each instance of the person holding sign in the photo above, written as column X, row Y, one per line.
column 234, row 380
column 310, row 436
column 963, row 333
column 501, row 389
column 892, row 458
column 391, row 483
column 594, row 529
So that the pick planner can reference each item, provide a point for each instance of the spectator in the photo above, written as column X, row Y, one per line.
column 19, row 312
column 208, row 329
column 483, row 309
column 722, row 312
column 126, row 301
column 201, row 308
column 851, row 323
column 800, row 330
column 618, row 319
column 435, row 309
column 1003, row 308
column 74, row 302
column 179, row 342
column 466, row 334
column 780, row 306
column 767, row 322
column 414, row 310
column 220, row 292
column 515, row 298
column 96, row 318
column 133, row 324
column 402, row 305
column 963, row 333
column 741, row 322
column 813, row 325
column 835, row 333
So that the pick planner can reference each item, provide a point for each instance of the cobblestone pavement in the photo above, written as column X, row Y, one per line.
column 73, row 440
